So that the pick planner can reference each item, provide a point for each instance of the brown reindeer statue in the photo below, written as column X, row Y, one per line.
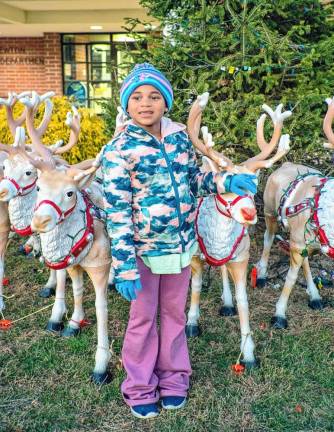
column 223, row 219
column 300, row 199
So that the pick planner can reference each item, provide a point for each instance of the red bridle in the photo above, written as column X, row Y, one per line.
column 20, row 189
column 228, row 204
column 61, row 215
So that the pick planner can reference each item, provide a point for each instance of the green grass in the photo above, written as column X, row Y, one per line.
column 45, row 386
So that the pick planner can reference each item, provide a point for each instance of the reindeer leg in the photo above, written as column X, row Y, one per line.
column 3, row 244
column 111, row 284
column 238, row 272
column 315, row 298
column 269, row 235
column 49, row 288
column 27, row 247
column 55, row 323
column 227, row 308
column 192, row 327
column 279, row 321
column 99, row 277
column 74, row 326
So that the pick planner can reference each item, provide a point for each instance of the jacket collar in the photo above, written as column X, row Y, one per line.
column 168, row 127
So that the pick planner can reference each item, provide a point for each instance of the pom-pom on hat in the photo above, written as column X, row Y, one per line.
column 146, row 74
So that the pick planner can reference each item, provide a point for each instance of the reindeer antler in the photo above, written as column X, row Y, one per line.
column 193, row 126
column 277, row 118
column 327, row 124
column 121, row 121
column 9, row 104
column 73, row 121
column 282, row 150
column 35, row 134
column 95, row 165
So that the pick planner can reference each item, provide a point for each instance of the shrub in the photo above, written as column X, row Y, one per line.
column 92, row 136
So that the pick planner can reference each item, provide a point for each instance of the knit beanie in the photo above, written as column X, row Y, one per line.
column 146, row 74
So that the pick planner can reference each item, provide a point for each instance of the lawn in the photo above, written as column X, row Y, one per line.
column 45, row 385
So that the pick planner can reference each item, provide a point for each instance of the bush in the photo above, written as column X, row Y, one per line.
column 92, row 136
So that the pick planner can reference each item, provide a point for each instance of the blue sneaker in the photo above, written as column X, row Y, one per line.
column 173, row 402
column 145, row 411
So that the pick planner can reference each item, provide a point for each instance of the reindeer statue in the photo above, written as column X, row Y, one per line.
column 301, row 200
column 222, row 222
column 70, row 222
column 4, row 218
column 18, row 185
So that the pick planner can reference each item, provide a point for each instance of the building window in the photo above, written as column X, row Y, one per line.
column 93, row 64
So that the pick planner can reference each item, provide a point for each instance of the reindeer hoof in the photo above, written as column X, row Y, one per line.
column 227, row 311
column 279, row 323
column 316, row 304
column 54, row 327
column 192, row 330
column 251, row 364
column 261, row 282
column 111, row 286
column 22, row 250
column 70, row 332
column 101, row 378
column 47, row 292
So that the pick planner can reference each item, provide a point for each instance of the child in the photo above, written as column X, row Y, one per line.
column 150, row 182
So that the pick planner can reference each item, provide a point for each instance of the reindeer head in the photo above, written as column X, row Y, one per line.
column 57, row 194
column 20, row 174
column 242, row 209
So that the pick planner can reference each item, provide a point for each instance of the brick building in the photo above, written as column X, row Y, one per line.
column 67, row 46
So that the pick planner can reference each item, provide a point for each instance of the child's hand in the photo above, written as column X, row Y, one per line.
column 128, row 289
column 241, row 184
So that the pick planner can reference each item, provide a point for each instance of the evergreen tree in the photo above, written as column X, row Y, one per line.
column 245, row 53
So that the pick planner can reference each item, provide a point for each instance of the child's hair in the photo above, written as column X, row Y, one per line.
column 146, row 74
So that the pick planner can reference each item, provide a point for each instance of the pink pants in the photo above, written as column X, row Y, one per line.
column 157, row 362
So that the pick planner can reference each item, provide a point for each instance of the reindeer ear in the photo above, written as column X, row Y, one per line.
column 83, row 178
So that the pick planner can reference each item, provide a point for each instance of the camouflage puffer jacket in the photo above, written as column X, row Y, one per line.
column 150, row 188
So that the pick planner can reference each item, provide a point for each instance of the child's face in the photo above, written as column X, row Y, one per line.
column 146, row 106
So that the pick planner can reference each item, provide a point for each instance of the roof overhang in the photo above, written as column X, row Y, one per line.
column 22, row 18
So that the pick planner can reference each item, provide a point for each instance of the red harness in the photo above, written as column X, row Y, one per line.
column 84, row 240
column 319, row 231
column 298, row 208
column 209, row 259
column 309, row 203
column 20, row 192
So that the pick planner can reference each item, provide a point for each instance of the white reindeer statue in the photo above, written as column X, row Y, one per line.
column 70, row 222
column 222, row 222
column 9, row 104
column 301, row 199
column 18, row 189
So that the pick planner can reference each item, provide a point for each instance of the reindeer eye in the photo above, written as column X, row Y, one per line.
column 37, row 188
column 69, row 194
column 28, row 173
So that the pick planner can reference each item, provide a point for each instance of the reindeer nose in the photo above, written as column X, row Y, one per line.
column 248, row 213
column 39, row 223
column 3, row 193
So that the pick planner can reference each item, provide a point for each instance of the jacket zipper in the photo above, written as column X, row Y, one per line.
column 178, row 208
